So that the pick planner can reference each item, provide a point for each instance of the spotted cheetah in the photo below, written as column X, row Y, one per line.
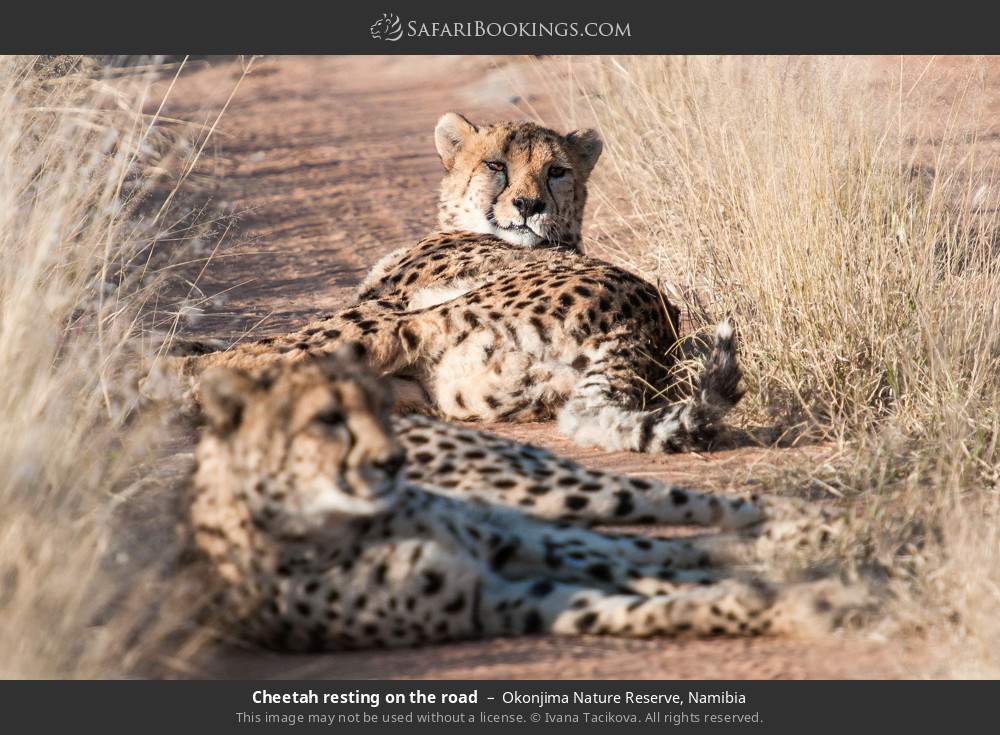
column 327, row 528
column 499, row 317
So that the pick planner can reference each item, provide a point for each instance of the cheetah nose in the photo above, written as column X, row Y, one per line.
column 528, row 206
column 393, row 464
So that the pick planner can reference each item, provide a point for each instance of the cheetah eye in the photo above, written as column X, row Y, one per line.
column 557, row 172
column 331, row 417
column 496, row 165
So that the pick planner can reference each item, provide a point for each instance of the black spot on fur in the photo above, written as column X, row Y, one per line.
column 433, row 582
column 646, row 430
column 585, row 622
column 576, row 502
column 456, row 605
column 543, row 334
column 625, row 505
column 542, row 588
column 600, row 571
column 532, row 622
column 502, row 555
column 678, row 497
column 409, row 337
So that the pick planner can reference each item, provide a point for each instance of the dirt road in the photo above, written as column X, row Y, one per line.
column 330, row 162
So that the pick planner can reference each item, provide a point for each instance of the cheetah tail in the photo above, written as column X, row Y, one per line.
column 590, row 417
column 720, row 384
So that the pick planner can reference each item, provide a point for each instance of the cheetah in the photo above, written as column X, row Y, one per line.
column 325, row 529
column 500, row 317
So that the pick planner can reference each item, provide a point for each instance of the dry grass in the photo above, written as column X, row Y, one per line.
column 798, row 197
column 78, row 157
column 788, row 194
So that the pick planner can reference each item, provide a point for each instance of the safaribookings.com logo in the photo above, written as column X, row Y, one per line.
column 387, row 28
column 390, row 28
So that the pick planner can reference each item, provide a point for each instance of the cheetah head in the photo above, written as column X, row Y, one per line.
column 518, row 181
column 306, row 442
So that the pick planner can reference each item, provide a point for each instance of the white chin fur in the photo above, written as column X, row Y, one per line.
column 329, row 501
column 524, row 237
column 477, row 222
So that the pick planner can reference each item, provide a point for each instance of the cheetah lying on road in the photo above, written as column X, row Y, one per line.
column 333, row 526
column 499, row 317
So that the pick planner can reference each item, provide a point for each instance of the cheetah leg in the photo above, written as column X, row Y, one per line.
column 467, row 463
column 654, row 566
column 730, row 608
column 519, row 546
column 541, row 605
column 757, row 545
column 540, row 545
column 596, row 414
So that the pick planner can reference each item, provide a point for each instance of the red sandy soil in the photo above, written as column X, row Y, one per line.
column 331, row 163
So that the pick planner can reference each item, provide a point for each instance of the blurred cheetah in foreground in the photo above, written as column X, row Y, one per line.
column 499, row 317
column 332, row 525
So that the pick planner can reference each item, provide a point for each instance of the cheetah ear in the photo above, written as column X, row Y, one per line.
column 588, row 146
column 450, row 134
column 224, row 395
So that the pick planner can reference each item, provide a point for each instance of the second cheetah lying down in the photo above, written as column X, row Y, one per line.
column 500, row 317
column 331, row 525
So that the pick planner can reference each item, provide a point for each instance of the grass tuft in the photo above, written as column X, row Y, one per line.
column 87, row 537
column 845, row 219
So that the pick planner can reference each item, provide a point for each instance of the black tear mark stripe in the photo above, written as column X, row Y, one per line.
column 342, row 464
column 468, row 182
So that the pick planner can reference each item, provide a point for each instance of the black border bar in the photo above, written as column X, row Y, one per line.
column 670, row 26
column 229, row 706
